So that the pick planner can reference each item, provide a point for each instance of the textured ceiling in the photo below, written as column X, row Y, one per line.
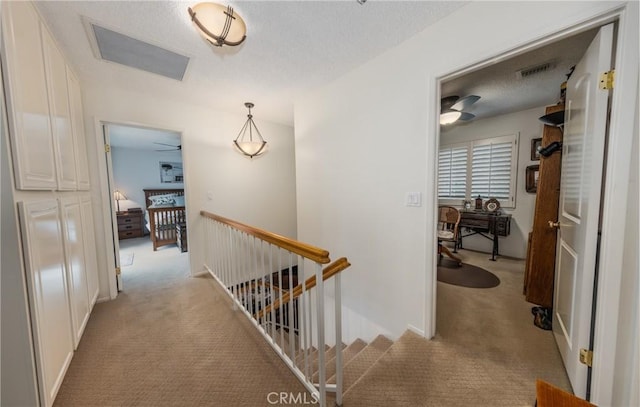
column 502, row 91
column 141, row 138
column 291, row 46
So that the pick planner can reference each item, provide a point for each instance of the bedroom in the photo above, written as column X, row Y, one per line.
column 148, row 193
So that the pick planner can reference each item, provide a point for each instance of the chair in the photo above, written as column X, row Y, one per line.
column 448, row 221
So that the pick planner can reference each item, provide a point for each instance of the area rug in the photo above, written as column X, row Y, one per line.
column 126, row 259
column 465, row 275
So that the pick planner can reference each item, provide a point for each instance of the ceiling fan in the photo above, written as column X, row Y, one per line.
column 452, row 108
column 175, row 148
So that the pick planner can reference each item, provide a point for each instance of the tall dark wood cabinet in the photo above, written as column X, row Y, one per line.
column 541, row 248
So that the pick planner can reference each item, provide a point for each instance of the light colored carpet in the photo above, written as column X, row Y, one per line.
column 487, row 352
column 171, row 340
column 126, row 259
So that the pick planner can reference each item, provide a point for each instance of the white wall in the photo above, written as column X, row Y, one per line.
column 368, row 138
column 135, row 170
column 18, row 385
column 627, row 365
column 259, row 192
column 527, row 125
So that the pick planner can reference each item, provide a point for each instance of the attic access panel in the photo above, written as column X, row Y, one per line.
column 124, row 50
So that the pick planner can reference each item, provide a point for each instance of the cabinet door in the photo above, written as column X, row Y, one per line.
column 48, row 293
column 27, row 102
column 73, row 232
column 77, row 126
column 63, row 143
column 91, row 261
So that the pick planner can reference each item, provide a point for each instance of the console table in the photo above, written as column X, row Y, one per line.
column 486, row 224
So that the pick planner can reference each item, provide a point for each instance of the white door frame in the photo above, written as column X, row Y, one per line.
column 108, row 217
column 615, row 192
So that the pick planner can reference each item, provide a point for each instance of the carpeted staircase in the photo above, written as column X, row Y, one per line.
column 357, row 358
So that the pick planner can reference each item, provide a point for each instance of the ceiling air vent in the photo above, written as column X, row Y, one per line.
column 122, row 49
column 534, row 70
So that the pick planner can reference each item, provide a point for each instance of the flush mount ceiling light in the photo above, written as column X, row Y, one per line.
column 218, row 24
column 249, row 141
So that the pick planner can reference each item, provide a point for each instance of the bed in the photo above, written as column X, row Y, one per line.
column 165, row 210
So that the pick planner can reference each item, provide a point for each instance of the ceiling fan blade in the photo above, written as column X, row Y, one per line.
column 465, row 102
column 465, row 117
column 447, row 102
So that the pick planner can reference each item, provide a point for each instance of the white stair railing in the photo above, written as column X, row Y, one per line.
column 264, row 274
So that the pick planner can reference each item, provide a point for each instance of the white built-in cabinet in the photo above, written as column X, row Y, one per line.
column 27, row 101
column 91, row 260
column 62, row 281
column 45, row 106
column 63, row 143
column 48, row 151
column 77, row 126
column 48, row 288
column 73, row 233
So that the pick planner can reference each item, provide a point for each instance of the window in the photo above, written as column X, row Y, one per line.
column 484, row 167
column 452, row 172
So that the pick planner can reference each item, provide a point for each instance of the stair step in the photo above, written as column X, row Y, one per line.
column 329, row 355
column 286, row 345
column 366, row 358
column 347, row 354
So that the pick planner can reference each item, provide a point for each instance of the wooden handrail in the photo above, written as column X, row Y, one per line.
column 328, row 272
column 305, row 250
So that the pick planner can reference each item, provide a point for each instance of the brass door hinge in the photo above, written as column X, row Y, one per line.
column 117, row 271
column 586, row 357
column 607, row 80
column 107, row 148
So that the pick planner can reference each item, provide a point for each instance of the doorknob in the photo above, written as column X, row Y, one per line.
column 553, row 224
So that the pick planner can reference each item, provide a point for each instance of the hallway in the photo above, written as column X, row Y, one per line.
column 171, row 340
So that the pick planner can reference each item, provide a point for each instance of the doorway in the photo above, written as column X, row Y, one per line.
column 538, row 63
column 146, row 181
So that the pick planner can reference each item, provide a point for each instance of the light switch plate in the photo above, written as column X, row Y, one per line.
column 414, row 199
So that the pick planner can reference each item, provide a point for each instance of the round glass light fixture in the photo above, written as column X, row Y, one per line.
column 449, row 116
column 218, row 24
column 249, row 141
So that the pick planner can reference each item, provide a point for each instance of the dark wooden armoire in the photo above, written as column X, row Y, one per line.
column 541, row 248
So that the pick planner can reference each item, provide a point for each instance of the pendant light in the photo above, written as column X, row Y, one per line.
column 249, row 141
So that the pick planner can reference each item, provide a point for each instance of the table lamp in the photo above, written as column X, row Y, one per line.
column 118, row 196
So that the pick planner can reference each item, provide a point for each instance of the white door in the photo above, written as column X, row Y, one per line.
column 48, row 293
column 114, row 219
column 579, row 210
column 73, row 237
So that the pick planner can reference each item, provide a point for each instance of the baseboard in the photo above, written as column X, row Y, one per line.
column 416, row 330
column 103, row 299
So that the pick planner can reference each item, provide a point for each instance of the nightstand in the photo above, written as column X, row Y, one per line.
column 130, row 224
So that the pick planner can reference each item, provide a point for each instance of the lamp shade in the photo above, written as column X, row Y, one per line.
column 119, row 196
column 218, row 24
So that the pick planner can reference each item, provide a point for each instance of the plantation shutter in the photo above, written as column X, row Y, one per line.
column 452, row 172
column 492, row 169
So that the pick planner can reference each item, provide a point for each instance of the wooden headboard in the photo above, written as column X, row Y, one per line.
column 160, row 191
